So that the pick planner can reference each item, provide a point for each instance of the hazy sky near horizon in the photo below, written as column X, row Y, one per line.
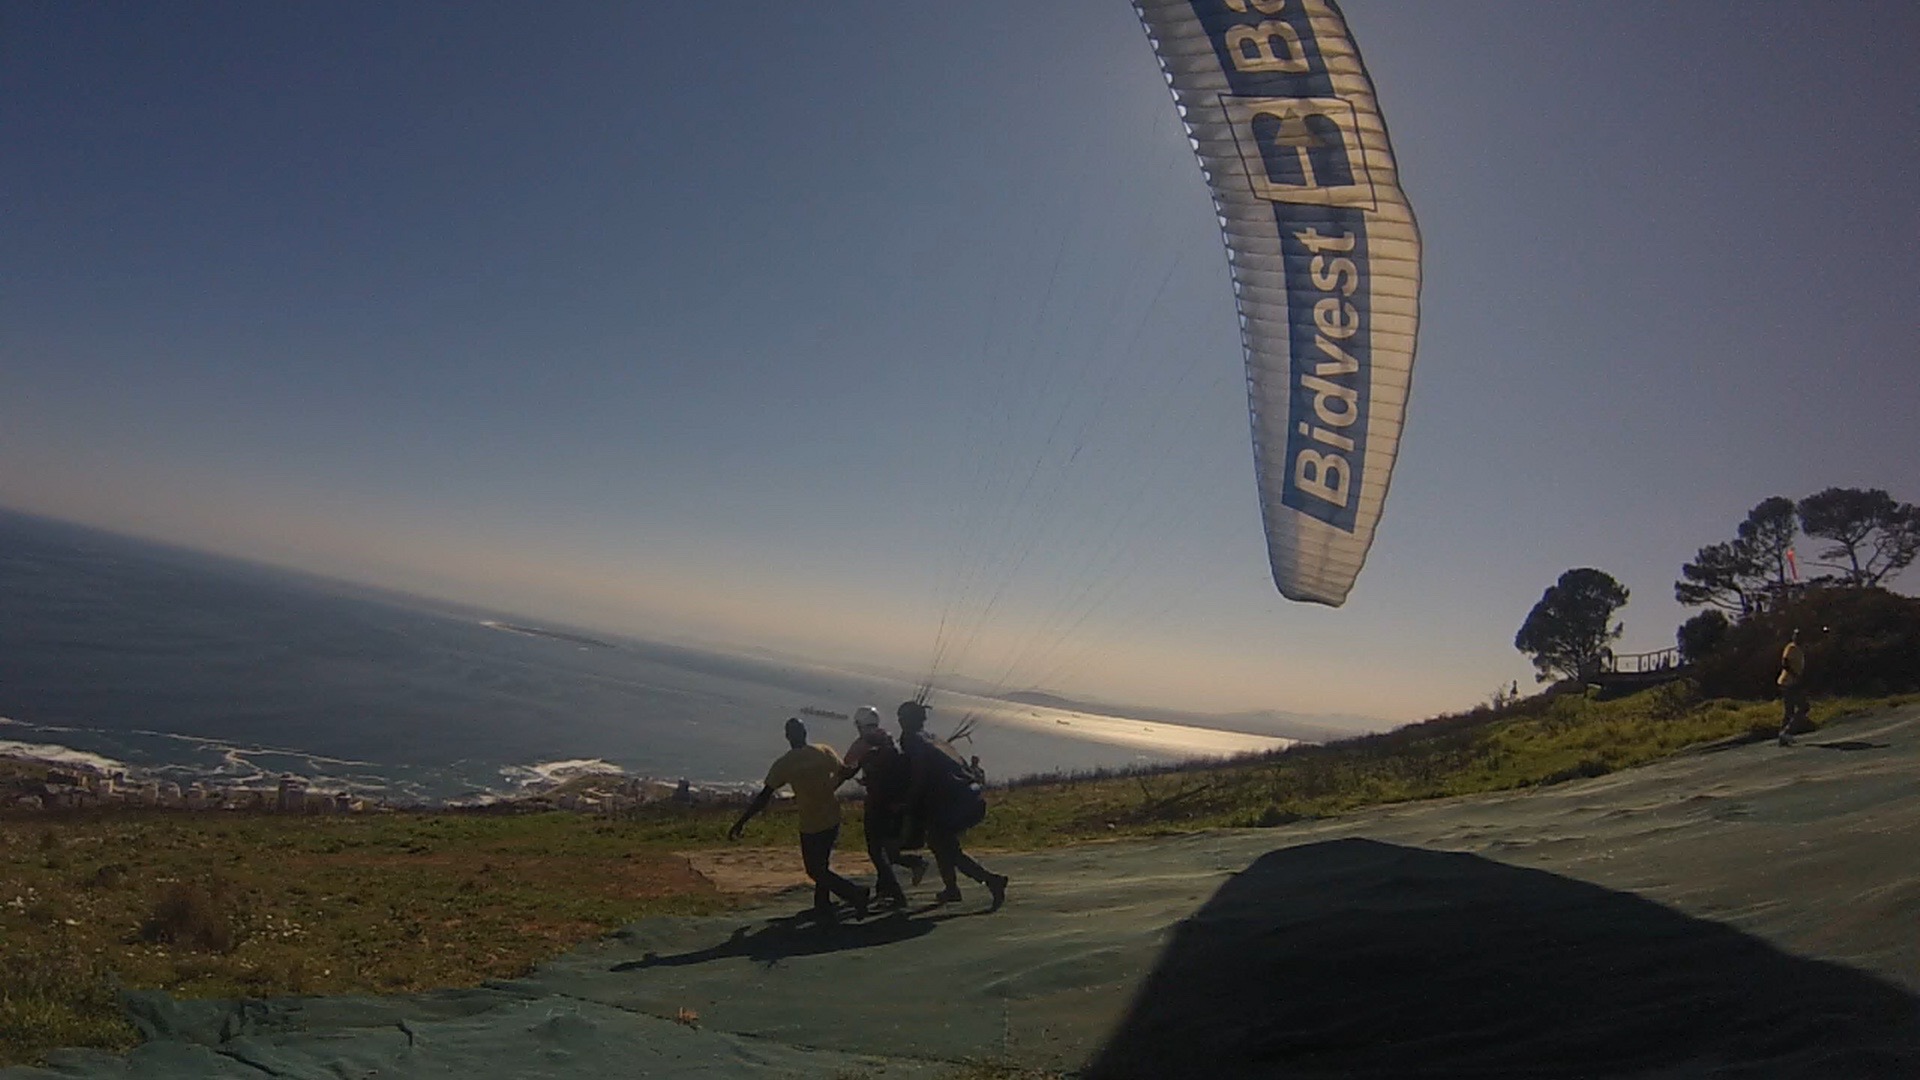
column 804, row 326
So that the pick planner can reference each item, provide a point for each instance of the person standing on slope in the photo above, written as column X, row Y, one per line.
column 1793, row 690
column 882, row 770
column 814, row 772
column 943, row 792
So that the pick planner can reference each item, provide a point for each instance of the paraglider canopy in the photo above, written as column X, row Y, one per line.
column 1325, row 257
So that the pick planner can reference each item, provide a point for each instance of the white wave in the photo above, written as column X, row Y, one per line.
column 549, row 773
column 486, row 798
column 222, row 745
column 55, row 754
column 37, row 727
column 233, row 766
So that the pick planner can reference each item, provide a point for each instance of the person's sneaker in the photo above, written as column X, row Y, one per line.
column 891, row 902
column 997, row 885
column 1786, row 739
column 948, row 896
column 860, row 905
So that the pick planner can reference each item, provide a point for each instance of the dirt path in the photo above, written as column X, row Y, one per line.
column 748, row 871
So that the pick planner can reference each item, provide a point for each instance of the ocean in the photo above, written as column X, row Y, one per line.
column 177, row 665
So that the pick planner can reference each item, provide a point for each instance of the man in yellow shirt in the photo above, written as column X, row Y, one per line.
column 1793, row 690
column 814, row 772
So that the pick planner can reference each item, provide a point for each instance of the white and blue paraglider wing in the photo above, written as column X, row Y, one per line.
column 1325, row 258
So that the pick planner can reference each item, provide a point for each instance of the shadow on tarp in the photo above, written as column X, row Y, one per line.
column 1734, row 742
column 1850, row 745
column 1355, row 958
column 783, row 939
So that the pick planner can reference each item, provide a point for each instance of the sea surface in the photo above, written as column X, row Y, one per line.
column 179, row 665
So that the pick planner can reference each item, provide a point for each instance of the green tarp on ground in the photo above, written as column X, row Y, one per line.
column 1746, row 911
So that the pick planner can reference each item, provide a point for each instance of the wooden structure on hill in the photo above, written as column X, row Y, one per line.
column 1636, row 671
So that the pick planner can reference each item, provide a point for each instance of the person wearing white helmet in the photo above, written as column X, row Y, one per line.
column 882, row 770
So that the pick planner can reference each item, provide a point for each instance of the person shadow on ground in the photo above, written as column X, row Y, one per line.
column 1852, row 745
column 804, row 935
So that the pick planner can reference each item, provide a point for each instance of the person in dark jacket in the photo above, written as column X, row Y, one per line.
column 943, row 791
column 882, row 770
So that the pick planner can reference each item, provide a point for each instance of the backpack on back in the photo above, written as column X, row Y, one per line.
column 885, row 770
column 956, row 799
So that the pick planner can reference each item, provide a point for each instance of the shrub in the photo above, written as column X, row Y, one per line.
column 1671, row 701
column 191, row 916
column 109, row 876
column 1858, row 641
column 1703, row 635
column 1585, row 768
column 1273, row 815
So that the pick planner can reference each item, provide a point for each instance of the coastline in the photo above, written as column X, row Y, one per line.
column 47, row 777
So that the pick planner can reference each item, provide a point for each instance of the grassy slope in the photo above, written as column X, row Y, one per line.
column 1539, row 741
column 220, row 904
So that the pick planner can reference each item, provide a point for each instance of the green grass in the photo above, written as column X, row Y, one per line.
column 1539, row 741
column 215, row 904
column 226, row 905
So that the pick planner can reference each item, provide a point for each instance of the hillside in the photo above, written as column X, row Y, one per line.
column 1737, row 909
column 224, row 903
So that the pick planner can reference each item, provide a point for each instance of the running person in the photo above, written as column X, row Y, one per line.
column 1793, row 690
column 814, row 772
column 882, row 770
column 943, row 792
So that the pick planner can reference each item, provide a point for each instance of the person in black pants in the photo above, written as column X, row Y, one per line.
column 813, row 772
column 943, row 791
column 882, row 770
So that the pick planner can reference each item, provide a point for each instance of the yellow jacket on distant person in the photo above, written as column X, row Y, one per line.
column 1793, row 664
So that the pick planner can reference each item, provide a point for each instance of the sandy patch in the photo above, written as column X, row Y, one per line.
column 750, row 871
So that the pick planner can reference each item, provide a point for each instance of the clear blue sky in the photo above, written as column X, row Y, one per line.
column 761, row 323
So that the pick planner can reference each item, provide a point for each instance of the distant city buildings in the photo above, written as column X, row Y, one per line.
column 32, row 785
column 28, row 785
